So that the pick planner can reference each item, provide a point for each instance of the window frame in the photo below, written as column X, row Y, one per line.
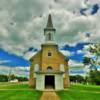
column 49, row 54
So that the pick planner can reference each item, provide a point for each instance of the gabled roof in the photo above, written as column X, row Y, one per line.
column 37, row 54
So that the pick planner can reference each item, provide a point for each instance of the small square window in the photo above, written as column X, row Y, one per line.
column 49, row 54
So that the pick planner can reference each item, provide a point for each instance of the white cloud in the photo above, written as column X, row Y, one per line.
column 65, row 52
column 22, row 23
column 19, row 71
column 79, row 51
column 73, row 63
column 28, row 55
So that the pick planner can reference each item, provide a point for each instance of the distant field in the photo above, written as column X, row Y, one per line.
column 15, row 91
column 80, row 92
column 7, row 85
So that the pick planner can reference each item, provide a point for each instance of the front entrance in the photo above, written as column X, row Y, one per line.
column 49, row 81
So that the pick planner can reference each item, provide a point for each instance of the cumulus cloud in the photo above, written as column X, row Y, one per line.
column 22, row 22
column 19, row 71
column 75, row 64
column 66, row 53
column 28, row 55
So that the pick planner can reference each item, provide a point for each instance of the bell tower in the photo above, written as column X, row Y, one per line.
column 49, row 31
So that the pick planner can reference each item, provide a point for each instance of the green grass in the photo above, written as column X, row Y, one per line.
column 19, row 95
column 21, row 91
column 14, row 86
column 12, row 91
column 80, row 92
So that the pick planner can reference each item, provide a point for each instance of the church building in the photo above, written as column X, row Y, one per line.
column 49, row 68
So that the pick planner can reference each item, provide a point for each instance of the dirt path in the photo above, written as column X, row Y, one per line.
column 49, row 95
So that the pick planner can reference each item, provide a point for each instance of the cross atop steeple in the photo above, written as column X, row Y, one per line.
column 49, row 22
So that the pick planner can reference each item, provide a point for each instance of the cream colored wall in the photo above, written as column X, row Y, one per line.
column 40, row 81
column 59, row 82
column 34, row 60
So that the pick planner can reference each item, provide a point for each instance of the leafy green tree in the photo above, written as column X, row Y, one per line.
column 3, row 78
column 89, row 61
column 94, row 77
column 95, row 49
column 86, row 60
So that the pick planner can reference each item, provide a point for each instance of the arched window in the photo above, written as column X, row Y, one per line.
column 49, row 69
column 62, row 67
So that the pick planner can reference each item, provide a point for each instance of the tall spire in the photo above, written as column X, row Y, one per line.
column 49, row 31
column 49, row 22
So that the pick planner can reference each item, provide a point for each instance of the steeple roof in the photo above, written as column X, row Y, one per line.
column 49, row 22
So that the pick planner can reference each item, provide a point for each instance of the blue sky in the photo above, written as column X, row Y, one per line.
column 12, row 60
column 91, row 10
column 20, row 66
column 76, row 56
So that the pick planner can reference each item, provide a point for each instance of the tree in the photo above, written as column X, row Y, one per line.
column 94, row 77
column 20, row 79
column 86, row 60
column 77, row 78
column 95, row 49
column 3, row 78
column 89, row 61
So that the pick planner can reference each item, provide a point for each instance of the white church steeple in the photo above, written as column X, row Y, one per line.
column 49, row 31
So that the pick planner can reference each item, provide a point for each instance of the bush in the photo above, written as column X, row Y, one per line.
column 77, row 78
column 5, row 78
column 20, row 79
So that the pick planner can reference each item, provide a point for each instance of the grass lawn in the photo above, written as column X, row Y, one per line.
column 10, row 91
column 15, row 91
column 80, row 92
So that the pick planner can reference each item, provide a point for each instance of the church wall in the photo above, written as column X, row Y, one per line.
column 37, row 59
column 34, row 60
column 31, row 79
column 54, row 61
column 59, row 82
column 40, row 82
